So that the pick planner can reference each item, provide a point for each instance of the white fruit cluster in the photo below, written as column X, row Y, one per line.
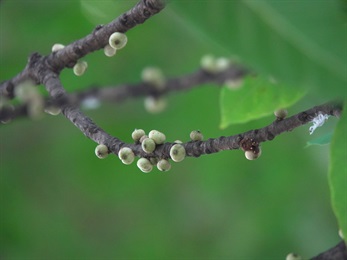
column 148, row 144
column 214, row 65
column 155, row 78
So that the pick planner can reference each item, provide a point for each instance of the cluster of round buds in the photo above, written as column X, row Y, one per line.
column 80, row 67
column 214, row 65
column 101, row 151
column 196, row 135
column 293, row 256
column 281, row 114
column 149, row 143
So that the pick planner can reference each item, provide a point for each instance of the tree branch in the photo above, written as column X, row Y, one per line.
column 339, row 252
column 46, row 70
column 68, row 56
column 123, row 92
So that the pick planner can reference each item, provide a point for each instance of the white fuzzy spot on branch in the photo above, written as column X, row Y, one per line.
column 318, row 121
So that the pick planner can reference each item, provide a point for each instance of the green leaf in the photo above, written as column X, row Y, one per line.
column 322, row 140
column 338, row 172
column 258, row 97
column 298, row 42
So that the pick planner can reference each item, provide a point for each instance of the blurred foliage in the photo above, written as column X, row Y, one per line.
column 297, row 42
column 338, row 172
column 59, row 201
column 256, row 98
column 322, row 140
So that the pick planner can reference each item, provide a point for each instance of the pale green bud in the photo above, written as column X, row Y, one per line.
column 126, row 155
column 163, row 165
column 177, row 152
column 57, row 47
column 158, row 137
column 208, row 63
column 101, row 151
column 80, row 67
column 118, row 40
column 137, row 134
column 109, row 51
column 153, row 76
column 144, row 165
column 196, row 135
column 155, row 105
column 148, row 145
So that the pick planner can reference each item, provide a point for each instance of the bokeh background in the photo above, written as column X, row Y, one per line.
column 59, row 201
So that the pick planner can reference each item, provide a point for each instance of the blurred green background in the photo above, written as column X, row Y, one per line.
column 59, row 201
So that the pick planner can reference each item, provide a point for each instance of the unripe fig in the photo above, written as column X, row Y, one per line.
column 117, row 40
column 163, row 165
column 158, row 137
column 137, row 134
column 101, row 151
column 144, row 165
column 177, row 152
column 251, row 155
column 148, row 145
column 196, row 135
column 126, row 155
